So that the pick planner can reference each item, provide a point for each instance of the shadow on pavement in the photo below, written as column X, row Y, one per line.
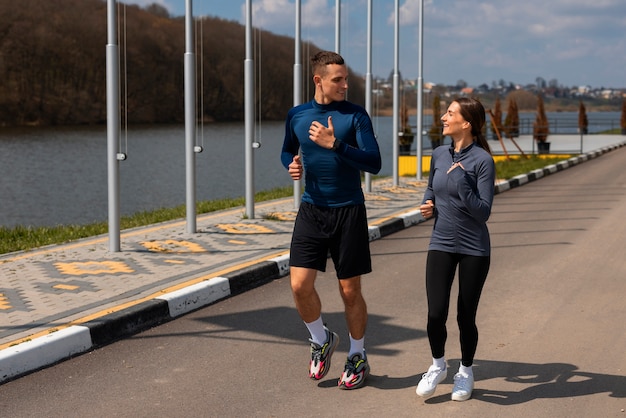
column 537, row 381
column 284, row 323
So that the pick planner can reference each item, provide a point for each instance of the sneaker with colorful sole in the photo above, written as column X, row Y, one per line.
column 355, row 371
column 321, row 355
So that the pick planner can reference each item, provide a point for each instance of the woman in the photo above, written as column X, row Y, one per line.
column 459, row 195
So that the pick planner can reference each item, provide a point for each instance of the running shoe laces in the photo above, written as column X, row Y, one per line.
column 426, row 387
column 355, row 371
column 463, row 387
column 321, row 355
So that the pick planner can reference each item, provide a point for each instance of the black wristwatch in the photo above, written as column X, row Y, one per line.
column 336, row 144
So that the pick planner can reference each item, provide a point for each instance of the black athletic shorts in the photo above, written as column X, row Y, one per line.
column 342, row 232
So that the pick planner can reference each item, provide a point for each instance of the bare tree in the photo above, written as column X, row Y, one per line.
column 623, row 118
column 583, row 122
column 511, row 121
column 496, row 122
column 541, row 128
column 436, row 129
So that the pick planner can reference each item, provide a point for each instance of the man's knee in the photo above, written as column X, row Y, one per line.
column 351, row 290
column 302, row 280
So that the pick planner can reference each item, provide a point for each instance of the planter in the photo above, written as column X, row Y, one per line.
column 405, row 141
column 543, row 147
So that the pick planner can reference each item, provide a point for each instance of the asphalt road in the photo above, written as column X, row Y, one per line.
column 551, row 321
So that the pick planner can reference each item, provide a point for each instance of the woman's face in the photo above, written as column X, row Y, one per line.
column 453, row 122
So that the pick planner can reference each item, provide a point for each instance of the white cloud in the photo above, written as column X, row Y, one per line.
column 409, row 12
column 279, row 15
column 272, row 13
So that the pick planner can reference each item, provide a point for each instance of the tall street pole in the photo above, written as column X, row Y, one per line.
column 113, row 126
column 368, row 82
column 190, row 118
column 249, row 114
column 297, row 86
column 338, row 26
column 420, row 90
column 396, row 42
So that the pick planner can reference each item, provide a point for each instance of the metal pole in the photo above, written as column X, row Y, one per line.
column 368, row 82
column 420, row 90
column 249, row 114
column 396, row 39
column 581, row 140
column 113, row 126
column 297, row 88
column 190, row 118
column 337, row 26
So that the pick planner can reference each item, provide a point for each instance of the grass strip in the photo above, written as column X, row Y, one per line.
column 21, row 238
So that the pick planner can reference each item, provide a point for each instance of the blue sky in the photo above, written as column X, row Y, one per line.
column 576, row 42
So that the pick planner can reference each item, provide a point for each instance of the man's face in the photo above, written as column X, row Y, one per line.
column 333, row 83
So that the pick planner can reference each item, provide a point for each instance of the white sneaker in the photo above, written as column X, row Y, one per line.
column 463, row 386
column 426, row 387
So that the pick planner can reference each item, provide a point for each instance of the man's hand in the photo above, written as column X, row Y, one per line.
column 321, row 135
column 295, row 168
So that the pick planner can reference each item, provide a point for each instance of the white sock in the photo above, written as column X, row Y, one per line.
column 317, row 331
column 466, row 370
column 440, row 363
column 356, row 346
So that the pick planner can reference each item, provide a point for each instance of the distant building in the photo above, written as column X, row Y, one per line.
column 607, row 94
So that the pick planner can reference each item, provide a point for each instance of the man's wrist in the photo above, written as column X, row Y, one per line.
column 336, row 144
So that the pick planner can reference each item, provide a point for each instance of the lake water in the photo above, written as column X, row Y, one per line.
column 58, row 175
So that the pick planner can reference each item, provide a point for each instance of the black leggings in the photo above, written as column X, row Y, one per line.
column 440, row 271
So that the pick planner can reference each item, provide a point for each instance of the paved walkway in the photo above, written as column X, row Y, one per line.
column 63, row 300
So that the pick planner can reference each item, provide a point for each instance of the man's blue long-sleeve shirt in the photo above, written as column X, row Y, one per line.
column 332, row 178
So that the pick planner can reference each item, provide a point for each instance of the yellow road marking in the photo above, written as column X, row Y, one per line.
column 243, row 228
column 4, row 302
column 234, row 241
column 170, row 245
column 78, row 268
column 65, row 287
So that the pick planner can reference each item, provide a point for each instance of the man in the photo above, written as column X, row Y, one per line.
column 337, row 142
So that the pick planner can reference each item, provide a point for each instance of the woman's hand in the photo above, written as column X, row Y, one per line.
column 455, row 165
column 427, row 209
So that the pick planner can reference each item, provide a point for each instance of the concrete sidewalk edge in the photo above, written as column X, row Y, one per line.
column 62, row 344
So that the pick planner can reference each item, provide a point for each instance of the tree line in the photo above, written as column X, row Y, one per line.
column 53, row 65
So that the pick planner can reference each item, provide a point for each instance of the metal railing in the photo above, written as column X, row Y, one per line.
column 566, row 127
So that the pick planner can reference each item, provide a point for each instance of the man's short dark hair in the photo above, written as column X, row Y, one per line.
column 324, row 58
